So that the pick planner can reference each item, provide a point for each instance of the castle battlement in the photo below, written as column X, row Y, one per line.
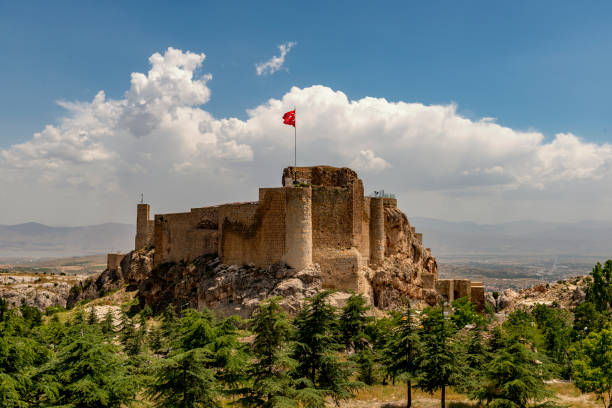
column 319, row 215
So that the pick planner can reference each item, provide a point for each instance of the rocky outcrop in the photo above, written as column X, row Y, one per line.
column 38, row 290
column 564, row 294
column 403, row 242
column 135, row 267
column 397, row 279
column 227, row 289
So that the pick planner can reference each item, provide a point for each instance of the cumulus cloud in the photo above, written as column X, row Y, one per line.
column 275, row 63
column 368, row 161
column 159, row 139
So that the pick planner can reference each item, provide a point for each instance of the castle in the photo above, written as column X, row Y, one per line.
column 319, row 215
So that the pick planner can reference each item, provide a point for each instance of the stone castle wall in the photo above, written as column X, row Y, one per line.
column 181, row 237
column 298, row 228
column 320, row 215
column 144, row 227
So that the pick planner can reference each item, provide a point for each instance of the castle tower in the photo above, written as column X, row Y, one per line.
column 298, row 231
column 377, row 230
column 144, row 227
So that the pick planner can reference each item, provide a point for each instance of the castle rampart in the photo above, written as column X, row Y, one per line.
column 144, row 227
column 298, row 231
column 320, row 215
column 377, row 230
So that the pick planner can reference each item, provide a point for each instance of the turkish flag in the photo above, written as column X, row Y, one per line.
column 289, row 118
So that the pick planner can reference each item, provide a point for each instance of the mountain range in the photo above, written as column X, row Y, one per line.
column 38, row 240
column 583, row 238
column 445, row 238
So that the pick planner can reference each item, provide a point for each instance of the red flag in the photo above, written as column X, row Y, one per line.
column 289, row 118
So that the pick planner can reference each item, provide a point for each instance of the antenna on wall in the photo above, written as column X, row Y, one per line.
column 141, row 198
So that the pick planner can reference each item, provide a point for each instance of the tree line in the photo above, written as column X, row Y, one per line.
column 322, row 355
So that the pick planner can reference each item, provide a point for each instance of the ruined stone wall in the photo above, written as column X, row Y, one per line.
column 271, row 217
column 254, row 232
column 332, row 217
column 390, row 202
column 181, row 237
column 298, row 231
column 340, row 268
column 477, row 295
column 377, row 231
column 321, row 176
column 113, row 261
column 238, row 233
column 206, row 217
column 364, row 246
column 144, row 227
column 357, row 212
column 452, row 289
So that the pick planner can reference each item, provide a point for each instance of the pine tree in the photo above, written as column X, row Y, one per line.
column 438, row 361
column 592, row 365
column 89, row 373
column 353, row 322
column 169, row 322
column 556, row 326
column 472, row 357
column 405, row 349
column 128, row 330
column 512, row 377
column 366, row 365
column 107, row 325
column 92, row 319
column 382, row 334
column 183, row 381
column 599, row 291
column 272, row 385
column 156, row 339
column 316, row 349
column 587, row 319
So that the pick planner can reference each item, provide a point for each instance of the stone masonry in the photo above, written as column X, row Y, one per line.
column 321, row 216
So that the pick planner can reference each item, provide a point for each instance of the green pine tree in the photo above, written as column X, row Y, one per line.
column 592, row 365
column 438, row 361
column 183, row 381
column 88, row 372
column 406, row 347
column 107, row 325
column 316, row 349
column 353, row 323
column 513, row 377
column 92, row 318
column 272, row 384
column 599, row 290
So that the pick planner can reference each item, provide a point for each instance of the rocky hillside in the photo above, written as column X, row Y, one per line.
column 233, row 289
column 565, row 293
column 38, row 290
column 206, row 282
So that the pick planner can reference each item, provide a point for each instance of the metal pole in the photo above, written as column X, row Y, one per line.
column 294, row 137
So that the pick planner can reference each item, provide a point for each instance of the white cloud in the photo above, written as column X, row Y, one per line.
column 275, row 63
column 159, row 140
column 366, row 160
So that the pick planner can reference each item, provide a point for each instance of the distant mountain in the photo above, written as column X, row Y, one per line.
column 445, row 238
column 584, row 238
column 37, row 240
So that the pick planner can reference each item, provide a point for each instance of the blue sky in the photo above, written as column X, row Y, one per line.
column 475, row 110
column 532, row 65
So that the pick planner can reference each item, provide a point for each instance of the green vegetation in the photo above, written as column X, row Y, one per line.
column 323, row 355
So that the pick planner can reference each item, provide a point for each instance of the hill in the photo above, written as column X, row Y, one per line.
column 451, row 239
column 37, row 240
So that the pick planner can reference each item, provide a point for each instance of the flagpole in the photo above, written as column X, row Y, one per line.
column 295, row 138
